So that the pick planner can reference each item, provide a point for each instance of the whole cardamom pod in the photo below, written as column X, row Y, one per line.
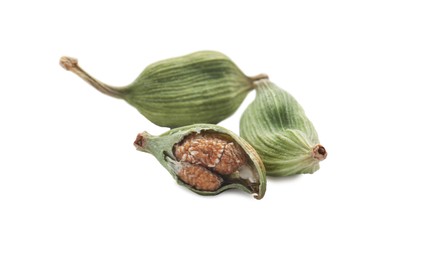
column 277, row 127
column 207, row 159
column 202, row 87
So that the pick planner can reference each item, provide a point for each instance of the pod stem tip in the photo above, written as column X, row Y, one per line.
column 68, row 63
column 259, row 77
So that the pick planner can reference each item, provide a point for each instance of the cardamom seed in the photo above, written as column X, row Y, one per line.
column 278, row 128
column 199, row 177
column 202, row 87
column 212, row 151
column 207, row 159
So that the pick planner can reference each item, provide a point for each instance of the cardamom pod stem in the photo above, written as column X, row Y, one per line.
column 71, row 64
column 258, row 77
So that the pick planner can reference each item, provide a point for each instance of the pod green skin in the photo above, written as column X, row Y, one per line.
column 202, row 87
column 278, row 128
column 161, row 147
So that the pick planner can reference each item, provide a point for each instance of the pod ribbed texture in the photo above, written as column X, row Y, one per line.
column 203, row 87
column 277, row 127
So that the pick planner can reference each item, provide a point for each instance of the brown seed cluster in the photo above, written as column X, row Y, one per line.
column 200, row 178
column 212, row 151
column 213, row 154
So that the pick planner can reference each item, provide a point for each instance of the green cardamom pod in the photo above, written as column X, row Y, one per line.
column 277, row 127
column 207, row 159
column 202, row 87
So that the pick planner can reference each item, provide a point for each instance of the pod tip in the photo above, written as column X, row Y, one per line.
column 319, row 152
column 68, row 63
column 141, row 140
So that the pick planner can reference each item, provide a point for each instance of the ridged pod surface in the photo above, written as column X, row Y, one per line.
column 207, row 159
column 202, row 87
column 278, row 128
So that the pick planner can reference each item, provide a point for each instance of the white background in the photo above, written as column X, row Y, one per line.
column 72, row 186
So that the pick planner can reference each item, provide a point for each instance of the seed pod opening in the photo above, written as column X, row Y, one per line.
column 207, row 159
column 278, row 128
column 202, row 87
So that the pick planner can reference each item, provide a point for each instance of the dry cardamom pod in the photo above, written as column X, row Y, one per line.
column 207, row 159
column 277, row 127
column 202, row 87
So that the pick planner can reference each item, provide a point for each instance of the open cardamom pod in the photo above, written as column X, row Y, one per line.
column 202, row 87
column 207, row 159
column 277, row 127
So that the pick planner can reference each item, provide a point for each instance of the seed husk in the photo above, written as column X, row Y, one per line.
column 207, row 159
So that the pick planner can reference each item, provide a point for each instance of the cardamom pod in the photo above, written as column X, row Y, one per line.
column 207, row 159
column 278, row 128
column 202, row 87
